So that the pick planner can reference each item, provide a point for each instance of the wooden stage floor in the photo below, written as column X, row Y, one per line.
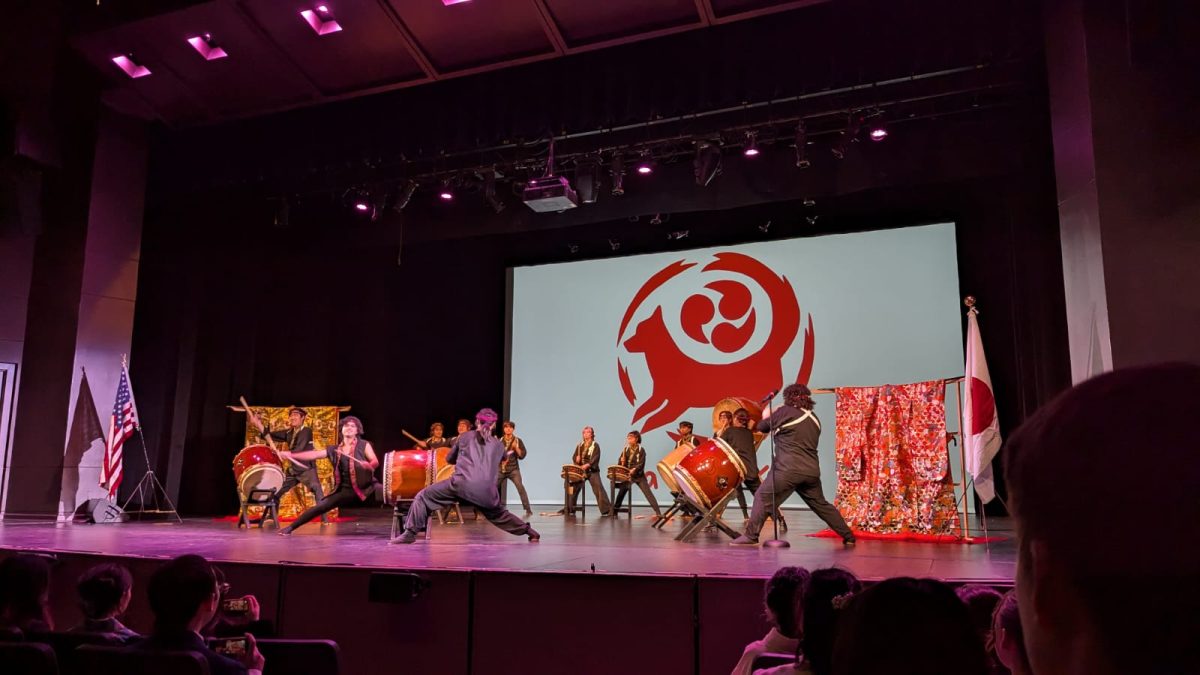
column 612, row 546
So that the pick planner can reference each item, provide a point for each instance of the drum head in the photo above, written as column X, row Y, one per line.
column 444, row 472
column 261, row 477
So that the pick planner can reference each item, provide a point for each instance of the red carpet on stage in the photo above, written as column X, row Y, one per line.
column 909, row 536
column 339, row 519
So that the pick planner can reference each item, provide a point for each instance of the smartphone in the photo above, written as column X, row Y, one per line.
column 232, row 647
column 235, row 605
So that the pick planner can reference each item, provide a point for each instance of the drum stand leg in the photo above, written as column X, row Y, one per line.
column 675, row 508
column 709, row 516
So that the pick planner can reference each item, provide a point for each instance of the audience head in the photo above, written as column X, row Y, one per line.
column 25, row 593
column 1104, row 583
column 906, row 626
column 1008, row 644
column 104, row 591
column 829, row 591
column 781, row 596
column 981, row 603
column 184, row 594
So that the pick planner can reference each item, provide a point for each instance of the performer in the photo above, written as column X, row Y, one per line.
column 437, row 438
column 685, row 435
column 587, row 455
column 633, row 457
column 299, row 439
column 795, row 468
column 510, row 466
column 735, row 430
column 476, row 457
column 354, row 464
column 463, row 427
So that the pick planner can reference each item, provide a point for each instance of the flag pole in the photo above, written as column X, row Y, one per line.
column 965, row 534
column 149, row 482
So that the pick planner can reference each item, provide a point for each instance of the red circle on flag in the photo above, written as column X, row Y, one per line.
column 983, row 406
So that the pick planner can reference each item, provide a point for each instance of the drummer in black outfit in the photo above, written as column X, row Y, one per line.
column 633, row 457
column 735, row 430
column 299, row 438
column 354, row 463
column 795, row 468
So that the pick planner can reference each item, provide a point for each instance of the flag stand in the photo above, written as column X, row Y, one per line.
column 149, row 486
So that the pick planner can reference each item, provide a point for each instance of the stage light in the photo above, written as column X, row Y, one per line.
column 587, row 180
column 764, row 227
column 812, row 220
column 751, row 146
column 489, row 191
column 132, row 68
column 207, row 47
column 707, row 164
column 801, row 146
column 446, row 193
column 617, row 171
column 362, row 206
column 321, row 20
column 614, row 244
column 878, row 131
column 645, row 165
column 679, row 234
column 453, row 2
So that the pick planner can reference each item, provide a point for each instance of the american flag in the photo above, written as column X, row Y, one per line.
column 121, row 425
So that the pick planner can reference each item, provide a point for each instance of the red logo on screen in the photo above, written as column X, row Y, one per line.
column 727, row 338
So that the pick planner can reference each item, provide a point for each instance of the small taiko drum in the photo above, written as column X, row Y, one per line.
column 405, row 473
column 668, row 464
column 620, row 474
column 709, row 472
column 257, row 467
column 573, row 473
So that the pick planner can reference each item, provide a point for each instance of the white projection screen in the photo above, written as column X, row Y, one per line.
column 642, row 342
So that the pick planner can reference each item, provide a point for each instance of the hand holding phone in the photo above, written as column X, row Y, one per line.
column 234, row 648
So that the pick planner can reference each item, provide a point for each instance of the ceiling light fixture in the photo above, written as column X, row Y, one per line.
column 321, row 19
column 207, row 47
column 132, row 68
column 751, row 146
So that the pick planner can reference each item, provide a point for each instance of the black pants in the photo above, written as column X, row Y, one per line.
column 777, row 488
column 597, row 489
column 308, row 478
column 640, row 481
column 442, row 494
column 343, row 496
column 515, row 477
column 750, row 484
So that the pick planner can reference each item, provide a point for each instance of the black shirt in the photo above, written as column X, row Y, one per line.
column 795, row 443
column 741, row 440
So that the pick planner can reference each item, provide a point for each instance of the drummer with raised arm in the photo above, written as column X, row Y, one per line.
column 299, row 438
column 354, row 464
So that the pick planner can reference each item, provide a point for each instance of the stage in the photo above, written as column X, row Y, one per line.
column 489, row 602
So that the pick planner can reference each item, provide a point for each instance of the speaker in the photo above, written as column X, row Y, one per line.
column 100, row 511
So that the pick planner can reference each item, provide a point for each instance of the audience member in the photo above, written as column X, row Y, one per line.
column 236, row 616
column 906, row 626
column 829, row 590
column 981, row 603
column 185, row 596
column 780, row 599
column 1008, row 644
column 104, row 594
column 25, row 594
column 1105, row 492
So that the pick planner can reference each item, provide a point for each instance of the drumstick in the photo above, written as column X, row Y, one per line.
column 270, row 441
column 414, row 439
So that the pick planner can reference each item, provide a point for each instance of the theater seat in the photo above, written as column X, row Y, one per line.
column 97, row 660
column 301, row 657
column 772, row 659
column 65, row 645
column 28, row 658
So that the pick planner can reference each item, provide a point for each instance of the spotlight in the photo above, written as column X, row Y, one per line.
column 751, row 146
column 362, row 206
column 801, row 146
column 404, row 196
column 587, row 180
column 645, row 165
column 446, row 193
column 617, row 171
column 809, row 202
column 614, row 244
column 707, row 164
column 878, row 131
column 489, row 191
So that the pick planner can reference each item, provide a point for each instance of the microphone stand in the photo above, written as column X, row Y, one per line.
column 774, row 541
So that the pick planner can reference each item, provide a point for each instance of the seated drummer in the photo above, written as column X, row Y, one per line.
column 633, row 457
column 685, row 435
column 437, row 437
column 735, row 430
column 463, row 427
column 587, row 455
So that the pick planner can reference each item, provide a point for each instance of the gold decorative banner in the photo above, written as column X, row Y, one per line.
column 324, row 423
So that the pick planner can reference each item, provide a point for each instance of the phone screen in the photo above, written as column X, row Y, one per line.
column 233, row 647
column 236, row 605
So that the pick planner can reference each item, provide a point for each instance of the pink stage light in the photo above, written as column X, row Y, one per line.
column 131, row 67
column 321, row 20
column 879, row 133
column 644, row 168
column 751, row 152
column 453, row 2
column 446, row 195
column 361, row 206
column 206, row 47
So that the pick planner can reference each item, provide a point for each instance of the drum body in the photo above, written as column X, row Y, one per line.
column 709, row 472
column 573, row 473
column 667, row 465
column 256, row 467
column 732, row 404
column 405, row 473
column 620, row 474
column 441, row 468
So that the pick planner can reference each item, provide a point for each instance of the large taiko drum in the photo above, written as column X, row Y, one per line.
column 405, row 473
column 731, row 405
column 441, row 468
column 257, row 467
column 667, row 464
column 709, row 472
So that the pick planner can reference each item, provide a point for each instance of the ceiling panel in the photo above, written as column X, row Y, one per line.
column 473, row 34
column 723, row 9
column 369, row 51
column 582, row 23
